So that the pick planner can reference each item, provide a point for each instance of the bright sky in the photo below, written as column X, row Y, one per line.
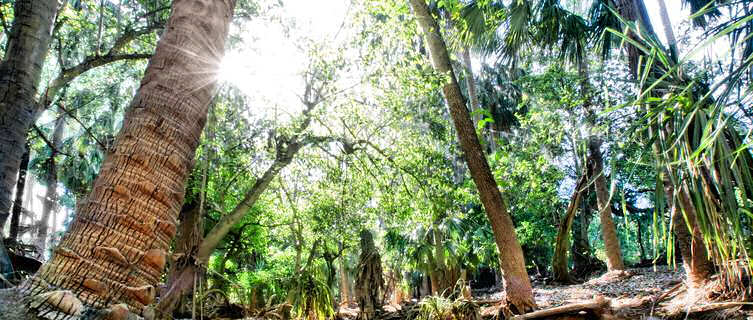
column 267, row 67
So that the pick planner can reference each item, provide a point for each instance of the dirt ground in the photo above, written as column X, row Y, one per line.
column 630, row 296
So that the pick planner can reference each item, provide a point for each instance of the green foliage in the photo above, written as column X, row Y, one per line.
column 310, row 296
column 440, row 308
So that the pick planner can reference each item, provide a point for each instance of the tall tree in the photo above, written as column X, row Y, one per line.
column 116, row 248
column 20, row 73
column 51, row 181
column 518, row 290
column 15, row 217
column 686, row 227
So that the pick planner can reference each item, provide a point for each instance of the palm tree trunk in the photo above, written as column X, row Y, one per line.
column 51, row 180
column 116, row 248
column 672, row 41
column 603, row 199
column 519, row 293
column 20, row 73
column 695, row 260
column 698, row 267
column 15, row 218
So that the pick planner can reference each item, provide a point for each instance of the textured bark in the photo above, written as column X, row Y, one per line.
column 51, row 180
column 603, row 199
column 20, row 73
column 698, row 267
column 559, row 262
column 15, row 217
column 370, row 281
column 116, row 248
column 635, row 10
column 695, row 259
column 517, row 286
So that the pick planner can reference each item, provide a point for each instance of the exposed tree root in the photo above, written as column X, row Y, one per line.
column 596, row 306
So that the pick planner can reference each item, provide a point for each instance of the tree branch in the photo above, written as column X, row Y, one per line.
column 47, row 141
column 87, row 129
column 68, row 75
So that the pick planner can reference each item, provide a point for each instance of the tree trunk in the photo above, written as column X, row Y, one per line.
column 440, row 279
column 695, row 259
column 668, row 32
column 180, row 276
column 634, row 10
column 640, row 241
column 519, row 293
column 698, row 267
column 603, row 199
column 51, row 180
column 560, row 266
column 15, row 218
column 344, row 285
column 369, row 282
column 20, row 73
column 115, row 251
column 471, row 84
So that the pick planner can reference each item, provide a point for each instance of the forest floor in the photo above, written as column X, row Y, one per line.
column 632, row 295
column 629, row 295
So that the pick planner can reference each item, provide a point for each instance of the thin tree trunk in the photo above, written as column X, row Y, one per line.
column 220, row 230
column 181, row 274
column 519, row 293
column 672, row 41
column 603, row 196
column 101, row 26
column 603, row 199
column 51, row 180
column 560, row 266
column 441, row 272
column 115, row 251
column 471, row 84
column 20, row 73
column 180, row 280
column 344, row 285
column 640, row 241
column 15, row 218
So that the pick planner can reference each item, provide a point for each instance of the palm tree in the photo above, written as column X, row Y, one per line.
column 547, row 24
column 519, row 293
column 116, row 248
column 703, row 164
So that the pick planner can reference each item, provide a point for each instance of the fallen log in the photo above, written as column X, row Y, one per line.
column 596, row 305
